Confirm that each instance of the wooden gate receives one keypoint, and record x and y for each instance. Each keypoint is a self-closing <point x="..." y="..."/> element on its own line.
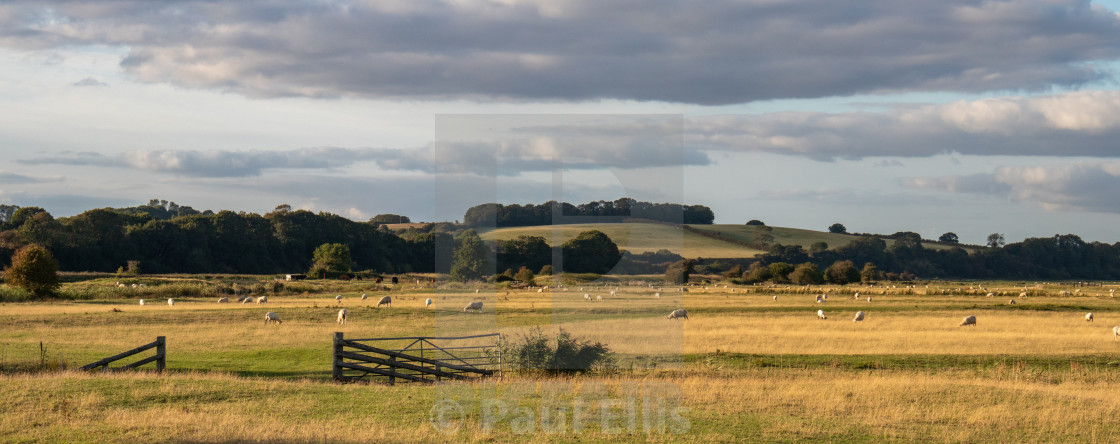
<point x="160" y="357"/>
<point x="417" y="359"/>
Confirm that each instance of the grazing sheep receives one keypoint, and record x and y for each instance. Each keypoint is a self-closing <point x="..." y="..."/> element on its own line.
<point x="968" y="320"/>
<point x="364" y="296"/>
<point x="657" y="295"/>
<point x="262" y="299"/>
<point x="338" y="298"/>
<point x="476" y="291"/>
<point x="856" y="296"/>
<point x="586" y="297"/>
<point x="141" y="302"/>
<point x="1089" y="317"/>
<point x="869" y="299"/>
<point x="1115" y="332"/>
<point x="342" y="316"/>
<point x="170" y="301"/>
<point x="272" y="317"/>
<point x="599" y="297"/>
<point x="246" y="300"/>
<point x="820" y="314"/>
<point x="223" y="300"/>
<point x="476" y="305"/>
<point x="990" y="295"/>
<point x="613" y="293"/>
<point x="819" y="300"/>
<point x="1012" y="302"/>
<point x="775" y="297"/>
<point x="1023" y="294"/>
<point x="859" y="316"/>
<point x="428" y="302"/>
<point x="678" y="313"/>
<point x="385" y="300"/>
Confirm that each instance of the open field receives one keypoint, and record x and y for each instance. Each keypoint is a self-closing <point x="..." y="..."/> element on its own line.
<point x="744" y="367"/>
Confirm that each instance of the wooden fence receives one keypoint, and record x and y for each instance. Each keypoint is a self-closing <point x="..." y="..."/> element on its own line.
<point x="160" y="357"/>
<point x="417" y="359"/>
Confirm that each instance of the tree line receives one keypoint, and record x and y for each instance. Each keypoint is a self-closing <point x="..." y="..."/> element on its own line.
<point x="498" y="215"/>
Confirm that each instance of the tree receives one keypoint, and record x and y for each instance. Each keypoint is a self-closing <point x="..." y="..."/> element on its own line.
<point x="34" y="269"/>
<point x="389" y="219"/>
<point x="546" y="270"/>
<point x="679" y="272"/>
<point x="755" y="222"/>
<point x="525" y="275"/>
<point x="837" y="228"/>
<point x="330" y="258"/>
<point x="806" y="274"/>
<point x="470" y="258"/>
<point x="779" y="272"/>
<point x="949" y="238"/>
<point x="842" y="272"/>
<point x="818" y="247"/>
<point x="757" y="272"/>
<point x="995" y="240"/>
<point x="870" y="273"/>
<point x="590" y="252"/>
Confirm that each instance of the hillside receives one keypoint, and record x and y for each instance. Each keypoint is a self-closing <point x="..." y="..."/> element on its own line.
<point x="635" y="237"/>
<point x="643" y="237"/>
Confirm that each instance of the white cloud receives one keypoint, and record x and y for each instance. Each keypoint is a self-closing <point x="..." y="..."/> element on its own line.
<point x="90" y="81"/>
<point x="1068" y="187"/>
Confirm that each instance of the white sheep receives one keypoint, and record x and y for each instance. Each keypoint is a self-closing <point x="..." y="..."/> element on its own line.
<point x="1023" y="294"/>
<point x="428" y="302"/>
<point x="364" y="296"/>
<point x="990" y="295"/>
<point x="657" y="295"/>
<point x="820" y="314"/>
<point x="170" y="301"/>
<point x="262" y="299"/>
<point x="678" y="313"/>
<point x="476" y="305"/>
<point x="1089" y="317"/>
<point x="819" y="300"/>
<point x="338" y="299"/>
<point x="968" y="320"/>
<point x="141" y="302"/>
<point x="272" y="317"/>
<point x="586" y="297"/>
<point x="599" y="297"/>
<point x="859" y="316"/>
<point x="1012" y="302"/>
<point x="342" y="316"/>
<point x="385" y="300"/>
<point x="1115" y="332"/>
<point x="223" y="300"/>
<point x="869" y="299"/>
<point x="775" y="297"/>
<point x="246" y="300"/>
<point x="856" y="296"/>
<point x="476" y="291"/>
<point x="613" y="293"/>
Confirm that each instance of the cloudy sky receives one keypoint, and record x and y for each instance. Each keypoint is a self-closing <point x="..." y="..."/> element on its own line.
<point x="885" y="115"/>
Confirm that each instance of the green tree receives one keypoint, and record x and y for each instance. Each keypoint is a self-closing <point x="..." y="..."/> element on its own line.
<point x="949" y="238"/>
<point x="389" y="219"/>
<point x="870" y="273"/>
<point x="995" y="240"/>
<point x="779" y="272"/>
<point x="546" y="270"/>
<point x="590" y="252"/>
<point x="679" y="272"/>
<point x="757" y="272"/>
<point x="837" y="228"/>
<point x="755" y="222"/>
<point x="330" y="258"/>
<point x="842" y="272"/>
<point x="34" y="269"/>
<point x="806" y="274"/>
<point x="818" y="247"/>
<point x="470" y="258"/>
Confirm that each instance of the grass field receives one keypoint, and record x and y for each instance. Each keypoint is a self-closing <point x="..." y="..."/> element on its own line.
<point x="744" y="367"/>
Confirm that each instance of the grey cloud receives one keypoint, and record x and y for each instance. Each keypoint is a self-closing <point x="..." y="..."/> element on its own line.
<point x="1070" y="124"/>
<point x="215" y="163"/>
<point x="705" y="52"/>
<point x="90" y="81"/>
<point x="7" y="178"/>
<point x="1069" y="187"/>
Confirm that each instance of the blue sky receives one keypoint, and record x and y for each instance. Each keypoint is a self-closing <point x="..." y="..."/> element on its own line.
<point x="966" y="116"/>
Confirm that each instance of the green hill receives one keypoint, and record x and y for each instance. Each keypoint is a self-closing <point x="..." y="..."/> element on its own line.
<point x="643" y="237"/>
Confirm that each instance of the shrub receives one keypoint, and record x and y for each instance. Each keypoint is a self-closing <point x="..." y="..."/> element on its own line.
<point x="546" y="270"/>
<point x="678" y="272"/>
<point x="535" y="353"/>
<point x="35" y="270"/>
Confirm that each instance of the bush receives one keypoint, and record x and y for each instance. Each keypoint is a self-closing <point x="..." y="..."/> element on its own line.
<point x="806" y="274"/>
<point x="35" y="270"/>
<point x="535" y="353"/>
<point x="546" y="270"/>
<point x="525" y="275"/>
<point x="678" y="272"/>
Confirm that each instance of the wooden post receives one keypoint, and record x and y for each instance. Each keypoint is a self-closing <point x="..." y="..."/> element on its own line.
<point x="337" y="372"/>
<point x="393" y="379"/>
<point x="161" y="352"/>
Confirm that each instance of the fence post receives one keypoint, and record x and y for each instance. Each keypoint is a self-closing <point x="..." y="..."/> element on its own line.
<point x="161" y="352"/>
<point x="337" y="370"/>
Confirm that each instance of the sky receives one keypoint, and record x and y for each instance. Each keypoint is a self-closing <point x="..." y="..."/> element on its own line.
<point x="884" y="115"/>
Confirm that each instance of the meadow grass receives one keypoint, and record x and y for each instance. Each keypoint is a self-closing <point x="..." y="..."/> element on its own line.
<point x="744" y="367"/>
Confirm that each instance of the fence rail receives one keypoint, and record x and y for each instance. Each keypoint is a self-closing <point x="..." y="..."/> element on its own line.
<point x="160" y="357"/>
<point x="417" y="359"/>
